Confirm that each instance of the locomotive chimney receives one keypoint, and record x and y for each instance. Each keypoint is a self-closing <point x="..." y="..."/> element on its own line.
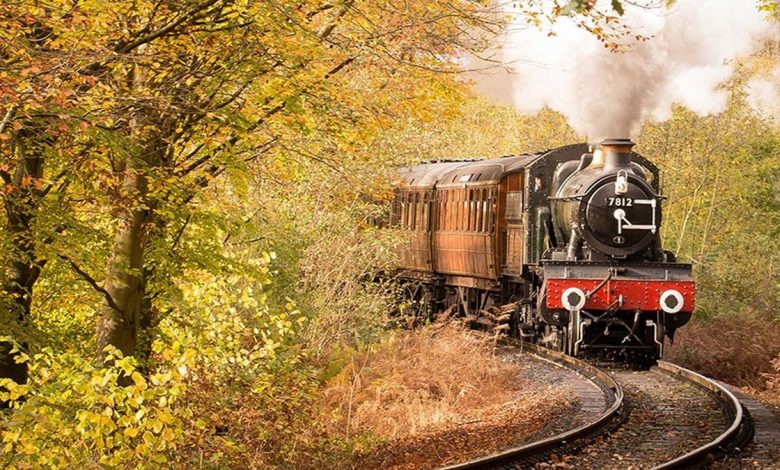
<point x="598" y="158"/>
<point x="617" y="153"/>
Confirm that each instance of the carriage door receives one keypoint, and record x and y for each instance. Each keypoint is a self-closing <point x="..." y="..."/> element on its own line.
<point x="511" y="225"/>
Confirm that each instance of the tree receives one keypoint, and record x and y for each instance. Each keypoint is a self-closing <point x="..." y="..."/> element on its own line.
<point x="151" y="101"/>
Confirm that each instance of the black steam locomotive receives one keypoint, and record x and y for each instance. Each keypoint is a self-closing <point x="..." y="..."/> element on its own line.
<point x="560" y="247"/>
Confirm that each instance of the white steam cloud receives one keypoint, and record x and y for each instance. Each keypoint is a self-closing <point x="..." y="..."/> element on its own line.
<point x="689" y="54"/>
<point x="764" y="94"/>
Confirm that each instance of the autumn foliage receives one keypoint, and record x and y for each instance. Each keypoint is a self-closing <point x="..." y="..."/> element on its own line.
<point x="184" y="234"/>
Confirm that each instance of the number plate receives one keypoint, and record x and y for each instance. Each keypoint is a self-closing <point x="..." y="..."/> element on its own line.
<point x="620" y="201"/>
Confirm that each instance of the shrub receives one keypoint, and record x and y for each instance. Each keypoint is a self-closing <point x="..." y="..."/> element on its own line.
<point x="738" y="349"/>
<point x="74" y="414"/>
<point x="413" y="382"/>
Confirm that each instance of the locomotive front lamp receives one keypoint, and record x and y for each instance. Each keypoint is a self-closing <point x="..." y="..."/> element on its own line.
<point x="621" y="183"/>
<point x="573" y="298"/>
<point x="671" y="301"/>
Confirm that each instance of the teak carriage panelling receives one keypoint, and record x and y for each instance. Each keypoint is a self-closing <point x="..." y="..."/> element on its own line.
<point x="416" y="254"/>
<point x="472" y="230"/>
<point x="511" y="235"/>
<point x="412" y="213"/>
<point x="466" y="253"/>
<point x="463" y="242"/>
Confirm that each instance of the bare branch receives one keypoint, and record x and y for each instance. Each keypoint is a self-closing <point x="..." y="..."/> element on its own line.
<point x="91" y="281"/>
<point x="328" y="29"/>
<point x="180" y="232"/>
<point x="8" y="116"/>
<point x="193" y="13"/>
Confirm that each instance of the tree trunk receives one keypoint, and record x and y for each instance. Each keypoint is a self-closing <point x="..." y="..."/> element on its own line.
<point x="22" y="266"/>
<point x="143" y="348"/>
<point x="119" y="321"/>
<point x="121" y="318"/>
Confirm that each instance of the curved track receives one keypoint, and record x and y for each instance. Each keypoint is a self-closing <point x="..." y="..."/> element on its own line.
<point x="539" y="450"/>
<point x="665" y="418"/>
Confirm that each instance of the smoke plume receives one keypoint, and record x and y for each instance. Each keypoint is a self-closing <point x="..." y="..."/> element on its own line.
<point x="689" y="54"/>
<point x="764" y="94"/>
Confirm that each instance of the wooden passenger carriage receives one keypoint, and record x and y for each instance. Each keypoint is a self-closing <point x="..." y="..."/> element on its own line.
<point x="477" y="228"/>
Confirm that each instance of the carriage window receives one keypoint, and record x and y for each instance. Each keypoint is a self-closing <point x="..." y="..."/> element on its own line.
<point x="404" y="210"/>
<point x="444" y="214"/>
<point x="458" y="210"/>
<point x="492" y="213"/>
<point x="472" y="210"/>
<point x="420" y="221"/>
<point x="408" y="212"/>
<point x="412" y="210"/>
<point x="463" y="209"/>
<point x="514" y="208"/>
<point x="478" y="211"/>
<point x="443" y="210"/>
<point x="426" y="216"/>
<point x="451" y="210"/>
<point x="483" y="212"/>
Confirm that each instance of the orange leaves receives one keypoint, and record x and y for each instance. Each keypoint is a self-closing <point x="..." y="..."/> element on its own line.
<point x="27" y="182"/>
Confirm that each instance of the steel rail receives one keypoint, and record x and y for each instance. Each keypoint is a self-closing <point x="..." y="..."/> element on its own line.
<point x="739" y="425"/>
<point x="733" y="408"/>
<point x="536" y="448"/>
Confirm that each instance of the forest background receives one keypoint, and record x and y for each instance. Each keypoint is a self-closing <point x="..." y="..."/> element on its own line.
<point x="187" y="191"/>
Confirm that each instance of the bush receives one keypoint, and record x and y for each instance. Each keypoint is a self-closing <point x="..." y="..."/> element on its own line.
<point x="413" y="382"/>
<point x="738" y="349"/>
<point x="74" y="414"/>
<point x="773" y="381"/>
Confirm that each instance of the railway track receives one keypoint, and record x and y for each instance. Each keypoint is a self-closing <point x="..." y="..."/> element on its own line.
<point x="665" y="418"/>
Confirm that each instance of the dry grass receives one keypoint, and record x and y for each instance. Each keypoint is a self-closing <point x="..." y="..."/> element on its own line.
<point x="739" y="350"/>
<point x="414" y="382"/>
<point x="772" y="392"/>
<point x="435" y="396"/>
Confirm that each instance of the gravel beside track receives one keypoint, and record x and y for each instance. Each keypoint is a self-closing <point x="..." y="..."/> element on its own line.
<point x="670" y="418"/>
<point x="598" y="409"/>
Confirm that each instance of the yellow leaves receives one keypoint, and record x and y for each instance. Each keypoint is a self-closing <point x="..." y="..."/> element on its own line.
<point x="139" y="380"/>
<point x="118" y="425"/>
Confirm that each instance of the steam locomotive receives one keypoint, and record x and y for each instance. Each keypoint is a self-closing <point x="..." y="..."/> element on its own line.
<point x="560" y="247"/>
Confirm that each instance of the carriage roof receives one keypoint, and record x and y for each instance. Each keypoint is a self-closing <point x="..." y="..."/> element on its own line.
<point x="449" y="174"/>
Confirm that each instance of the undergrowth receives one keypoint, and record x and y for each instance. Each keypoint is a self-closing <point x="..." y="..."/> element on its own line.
<point x="742" y="350"/>
<point x="435" y="396"/>
<point x="411" y="383"/>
